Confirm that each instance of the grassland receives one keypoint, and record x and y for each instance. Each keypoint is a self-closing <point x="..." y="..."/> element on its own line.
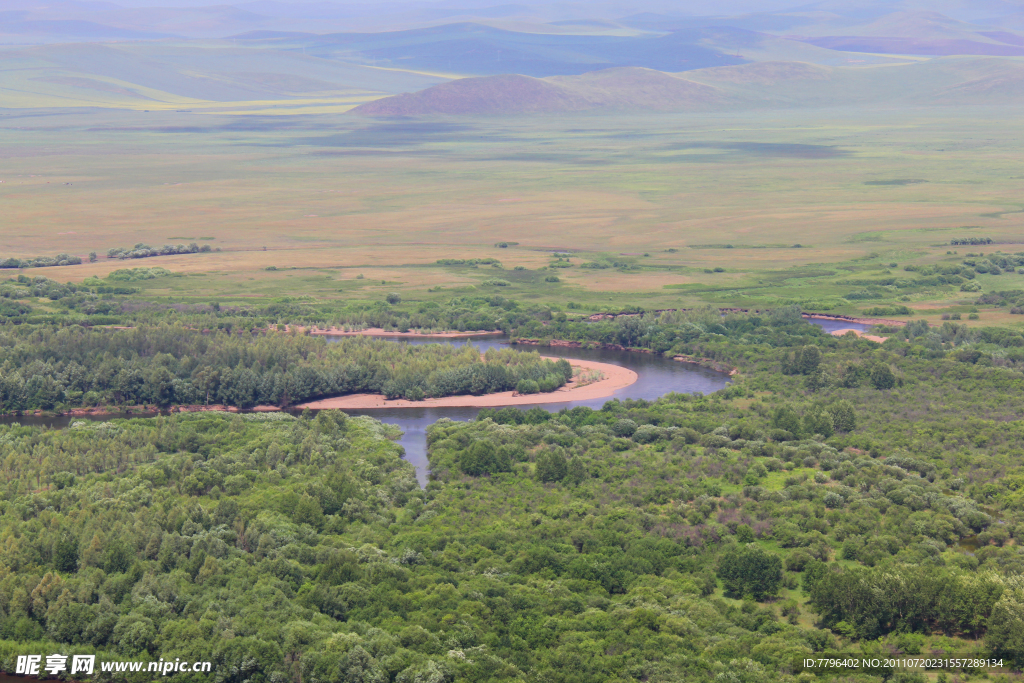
<point x="325" y="198"/>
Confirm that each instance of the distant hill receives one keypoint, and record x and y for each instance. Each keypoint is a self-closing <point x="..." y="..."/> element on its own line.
<point x="964" y="81"/>
<point x="150" y="75"/>
<point x="619" y="89"/>
<point x="477" y="49"/>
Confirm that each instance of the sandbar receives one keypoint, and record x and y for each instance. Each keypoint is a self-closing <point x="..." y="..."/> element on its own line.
<point x="615" y="377"/>
<point x="869" y="337"/>
<point x="380" y="332"/>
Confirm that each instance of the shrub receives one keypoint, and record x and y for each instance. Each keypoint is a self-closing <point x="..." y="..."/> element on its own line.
<point x="833" y="500"/>
<point x="393" y="298"/>
<point x="625" y="427"/>
<point x="527" y="386"/>
<point x="649" y="434"/>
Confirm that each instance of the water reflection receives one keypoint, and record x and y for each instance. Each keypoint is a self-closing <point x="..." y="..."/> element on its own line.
<point x="831" y="326"/>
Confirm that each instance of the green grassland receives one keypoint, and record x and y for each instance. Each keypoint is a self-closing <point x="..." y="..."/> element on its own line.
<point x="303" y="205"/>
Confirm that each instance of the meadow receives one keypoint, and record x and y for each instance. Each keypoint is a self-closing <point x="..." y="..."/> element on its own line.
<point x="748" y="210"/>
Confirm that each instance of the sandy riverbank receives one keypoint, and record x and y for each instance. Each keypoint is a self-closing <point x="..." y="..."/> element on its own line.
<point x="849" y="319"/>
<point x="380" y="332"/>
<point x="869" y="337"/>
<point x="614" y="378"/>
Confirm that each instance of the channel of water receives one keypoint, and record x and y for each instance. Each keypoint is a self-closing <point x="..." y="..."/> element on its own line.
<point x="657" y="376"/>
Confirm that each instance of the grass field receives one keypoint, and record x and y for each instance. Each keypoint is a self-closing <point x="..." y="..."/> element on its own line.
<point x="324" y="198"/>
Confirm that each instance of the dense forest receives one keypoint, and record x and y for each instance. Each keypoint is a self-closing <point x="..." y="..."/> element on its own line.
<point x="48" y="367"/>
<point x="689" y="537"/>
<point x="839" y="496"/>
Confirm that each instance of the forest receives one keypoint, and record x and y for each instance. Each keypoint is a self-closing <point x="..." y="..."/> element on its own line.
<point x="57" y="368"/>
<point x="839" y="496"/>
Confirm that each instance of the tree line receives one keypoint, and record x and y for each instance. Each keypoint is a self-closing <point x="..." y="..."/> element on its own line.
<point x="49" y="367"/>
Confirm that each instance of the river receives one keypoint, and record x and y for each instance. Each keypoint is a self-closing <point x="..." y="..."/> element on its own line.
<point x="657" y="377"/>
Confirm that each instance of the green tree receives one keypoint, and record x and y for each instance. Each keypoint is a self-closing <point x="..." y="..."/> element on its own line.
<point x="750" y="570"/>
<point x="882" y="376"/>
<point x="577" y="472"/>
<point x="818" y="422"/>
<point x="624" y="427"/>
<point x="65" y="554"/>
<point x="784" y="417"/>
<point x="527" y="386"/>
<point x="551" y="465"/>
<point x="1005" y="637"/>
<point x="308" y="511"/>
<point x="844" y="419"/>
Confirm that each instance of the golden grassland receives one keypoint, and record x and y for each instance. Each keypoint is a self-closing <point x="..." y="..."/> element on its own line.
<point x="325" y="198"/>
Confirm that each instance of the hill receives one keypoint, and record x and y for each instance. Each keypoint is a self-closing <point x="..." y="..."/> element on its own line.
<point x="474" y="49"/>
<point x="163" y="75"/>
<point x="956" y="81"/>
<point x="620" y="89"/>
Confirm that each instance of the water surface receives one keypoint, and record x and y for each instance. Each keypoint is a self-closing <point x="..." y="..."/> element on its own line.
<point x="657" y="376"/>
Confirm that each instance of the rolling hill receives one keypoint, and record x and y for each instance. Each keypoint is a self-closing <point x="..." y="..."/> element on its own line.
<point x="618" y="89"/>
<point x="479" y="50"/>
<point x="961" y="81"/>
<point x="166" y="75"/>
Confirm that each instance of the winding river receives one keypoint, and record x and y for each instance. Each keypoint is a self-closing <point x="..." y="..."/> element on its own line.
<point x="657" y="377"/>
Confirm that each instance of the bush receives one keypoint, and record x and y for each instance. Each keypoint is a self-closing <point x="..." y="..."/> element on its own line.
<point x="649" y="434"/>
<point x="549" y="383"/>
<point x="889" y="310"/>
<point x="527" y="386"/>
<point x="833" y="500"/>
<point x="625" y="427"/>
<point x="393" y="298"/>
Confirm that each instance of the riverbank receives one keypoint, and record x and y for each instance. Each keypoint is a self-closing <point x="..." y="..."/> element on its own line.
<point x="614" y="377"/>
<point x="850" y="319"/>
<point x="380" y="332"/>
<point x="869" y="337"/>
<point x="692" y="360"/>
